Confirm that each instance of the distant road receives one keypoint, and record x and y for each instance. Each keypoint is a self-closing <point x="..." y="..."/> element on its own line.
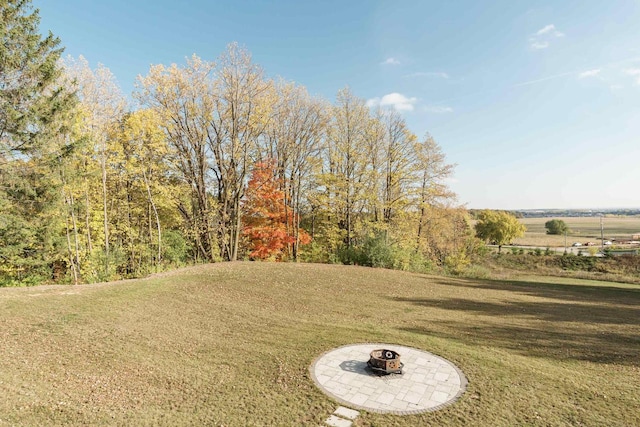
<point x="570" y="249"/>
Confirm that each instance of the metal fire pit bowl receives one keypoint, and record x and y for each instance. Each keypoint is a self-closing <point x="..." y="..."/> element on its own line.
<point x="385" y="361"/>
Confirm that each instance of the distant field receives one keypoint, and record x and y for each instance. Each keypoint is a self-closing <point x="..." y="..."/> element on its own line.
<point x="231" y="344"/>
<point x="582" y="230"/>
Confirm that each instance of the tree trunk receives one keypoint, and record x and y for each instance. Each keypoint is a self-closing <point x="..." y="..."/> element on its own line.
<point x="157" y="217"/>
<point x="74" y="223"/>
<point x="71" y="262"/>
<point x="236" y="231"/>
<point x="106" y="217"/>
<point x="87" y="215"/>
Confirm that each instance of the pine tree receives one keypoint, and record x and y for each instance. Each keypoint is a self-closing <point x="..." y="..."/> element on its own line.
<point x="29" y="96"/>
<point x="32" y="111"/>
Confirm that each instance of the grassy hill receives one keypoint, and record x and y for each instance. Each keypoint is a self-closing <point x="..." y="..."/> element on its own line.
<point x="230" y="344"/>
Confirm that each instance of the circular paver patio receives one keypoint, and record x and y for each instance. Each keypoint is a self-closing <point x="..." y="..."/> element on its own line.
<point x="428" y="382"/>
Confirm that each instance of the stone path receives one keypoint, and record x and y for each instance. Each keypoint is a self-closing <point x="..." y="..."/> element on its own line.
<point x="342" y="417"/>
<point x="428" y="382"/>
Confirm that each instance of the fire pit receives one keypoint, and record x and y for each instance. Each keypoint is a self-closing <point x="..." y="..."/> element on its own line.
<point x="385" y="362"/>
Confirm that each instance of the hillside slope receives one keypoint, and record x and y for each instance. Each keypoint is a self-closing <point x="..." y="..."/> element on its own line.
<point x="230" y="344"/>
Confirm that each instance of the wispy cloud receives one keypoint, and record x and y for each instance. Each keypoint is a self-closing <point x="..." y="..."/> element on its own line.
<point x="549" y="29"/>
<point x="539" y="45"/>
<point x="635" y="72"/>
<point x="390" y="61"/>
<point x="439" y="74"/>
<point x="393" y="100"/>
<point x="589" y="73"/>
<point x="542" y="38"/>
<point x="437" y="109"/>
<point x="543" y="79"/>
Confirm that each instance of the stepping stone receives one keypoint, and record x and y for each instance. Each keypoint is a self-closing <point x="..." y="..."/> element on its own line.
<point x="334" y="421"/>
<point x="346" y="413"/>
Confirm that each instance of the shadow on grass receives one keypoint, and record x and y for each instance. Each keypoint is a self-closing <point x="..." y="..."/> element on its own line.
<point x="585" y="293"/>
<point x="597" y="324"/>
<point x="553" y="344"/>
<point x="541" y="310"/>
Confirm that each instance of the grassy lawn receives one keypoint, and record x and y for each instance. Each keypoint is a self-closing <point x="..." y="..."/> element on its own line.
<point x="582" y="230"/>
<point x="231" y="344"/>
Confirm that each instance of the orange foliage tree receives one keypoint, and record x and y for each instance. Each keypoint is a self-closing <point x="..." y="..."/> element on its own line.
<point x="268" y="221"/>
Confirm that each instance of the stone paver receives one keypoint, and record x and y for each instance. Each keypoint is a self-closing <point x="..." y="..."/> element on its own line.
<point x="334" y="421"/>
<point x="346" y="413"/>
<point x="428" y="382"/>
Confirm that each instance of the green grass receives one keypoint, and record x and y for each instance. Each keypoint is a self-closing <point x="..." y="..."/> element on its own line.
<point x="231" y="344"/>
<point x="583" y="229"/>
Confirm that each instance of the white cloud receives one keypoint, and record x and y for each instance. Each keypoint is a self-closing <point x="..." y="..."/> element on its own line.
<point x="546" y="29"/>
<point x="589" y="73"/>
<point x="539" y="45"/>
<point x="550" y="30"/>
<point x="390" y="61"/>
<point x="373" y="102"/>
<point x="635" y="72"/>
<point x="429" y="74"/>
<point x="542" y="38"/>
<point x="438" y="109"/>
<point x="394" y="100"/>
<point x="616" y="87"/>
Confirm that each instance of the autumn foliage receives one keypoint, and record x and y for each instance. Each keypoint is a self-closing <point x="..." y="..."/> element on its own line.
<point x="268" y="222"/>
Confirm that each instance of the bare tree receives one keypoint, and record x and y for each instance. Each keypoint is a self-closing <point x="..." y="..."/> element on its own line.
<point x="102" y="104"/>
<point x="398" y="159"/>
<point x="430" y="171"/>
<point x="346" y="156"/>
<point x="184" y="99"/>
<point x="240" y="114"/>
<point x="214" y="116"/>
<point x="293" y="139"/>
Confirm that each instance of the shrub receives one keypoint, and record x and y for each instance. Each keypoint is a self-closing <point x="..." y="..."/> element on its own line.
<point x="477" y="272"/>
<point x="175" y="249"/>
<point x="315" y="252"/>
<point x="456" y="263"/>
<point x="376" y="252"/>
<point x="573" y="262"/>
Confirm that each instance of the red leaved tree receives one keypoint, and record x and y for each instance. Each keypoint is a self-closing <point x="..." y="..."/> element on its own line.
<point x="267" y="220"/>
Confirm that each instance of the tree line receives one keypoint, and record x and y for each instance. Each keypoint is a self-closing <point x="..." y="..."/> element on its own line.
<point x="214" y="162"/>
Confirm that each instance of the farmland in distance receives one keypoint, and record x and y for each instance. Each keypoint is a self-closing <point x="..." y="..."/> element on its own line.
<point x="583" y="229"/>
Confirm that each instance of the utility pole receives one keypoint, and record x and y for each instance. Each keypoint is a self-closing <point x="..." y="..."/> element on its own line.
<point x="601" y="234"/>
<point x="565" y="240"/>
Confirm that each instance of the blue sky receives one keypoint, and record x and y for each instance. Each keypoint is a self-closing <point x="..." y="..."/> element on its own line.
<point x="537" y="102"/>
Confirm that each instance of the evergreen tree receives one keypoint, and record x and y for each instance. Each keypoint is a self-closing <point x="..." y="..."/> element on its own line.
<point x="29" y="95"/>
<point x="32" y="109"/>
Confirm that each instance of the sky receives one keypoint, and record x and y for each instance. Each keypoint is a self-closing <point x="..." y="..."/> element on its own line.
<point x="536" y="102"/>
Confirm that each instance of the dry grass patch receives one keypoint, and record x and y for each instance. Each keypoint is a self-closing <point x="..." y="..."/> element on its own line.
<point x="230" y="344"/>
